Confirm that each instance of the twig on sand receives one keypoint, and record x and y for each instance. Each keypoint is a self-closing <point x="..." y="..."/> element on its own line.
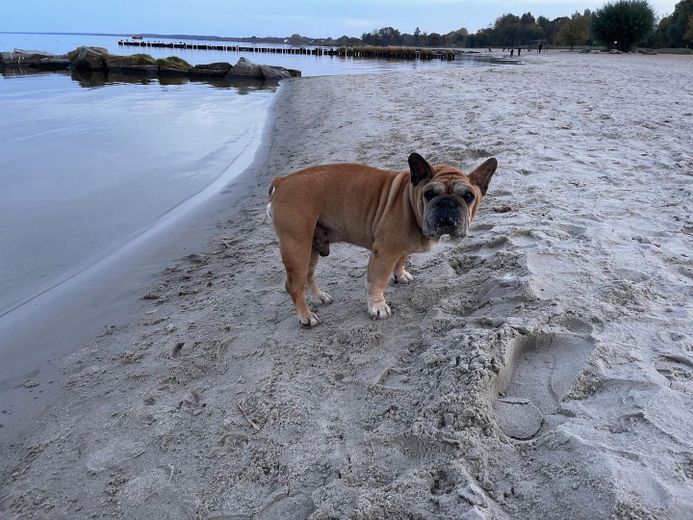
<point x="250" y="421"/>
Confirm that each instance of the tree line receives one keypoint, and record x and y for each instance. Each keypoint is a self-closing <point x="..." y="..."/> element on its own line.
<point x="623" y="24"/>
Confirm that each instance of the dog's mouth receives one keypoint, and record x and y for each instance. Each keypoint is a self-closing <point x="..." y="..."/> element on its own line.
<point x="446" y="221"/>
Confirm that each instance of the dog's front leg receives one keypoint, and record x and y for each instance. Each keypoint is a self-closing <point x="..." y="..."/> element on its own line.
<point x="380" y="267"/>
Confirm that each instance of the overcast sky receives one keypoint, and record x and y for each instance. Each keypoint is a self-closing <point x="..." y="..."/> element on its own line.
<point x="314" y="18"/>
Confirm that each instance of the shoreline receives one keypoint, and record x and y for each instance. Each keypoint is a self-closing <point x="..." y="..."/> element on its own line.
<point x="105" y="295"/>
<point x="534" y="368"/>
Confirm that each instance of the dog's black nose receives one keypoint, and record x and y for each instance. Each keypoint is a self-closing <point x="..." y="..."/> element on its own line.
<point x="447" y="203"/>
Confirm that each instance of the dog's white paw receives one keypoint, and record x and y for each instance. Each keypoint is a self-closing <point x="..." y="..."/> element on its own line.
<point x="379" y="311"/>
<point x="309" y="321"/>
<point x="322" y="297"/>
<point x="404" y="278"/>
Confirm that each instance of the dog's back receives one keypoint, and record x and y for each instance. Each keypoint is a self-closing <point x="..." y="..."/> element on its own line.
<point x="335" y="196"/>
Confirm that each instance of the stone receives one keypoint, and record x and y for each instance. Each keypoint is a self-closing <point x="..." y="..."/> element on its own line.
<point x="210" y="70"/>
<point x="136" y="64"/>
<point x="273" y="73"/>
<point x="245" y="69"/>
<point x="21" y="58"/>
<point x="88" y="58"/>
<point x="53" y="63"/>
<point x="173" y="66"/>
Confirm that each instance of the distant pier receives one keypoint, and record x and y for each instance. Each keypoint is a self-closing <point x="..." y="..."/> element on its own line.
<point x="401" y="53"/>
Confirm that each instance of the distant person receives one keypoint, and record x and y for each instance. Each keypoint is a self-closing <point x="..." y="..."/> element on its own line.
<point x="541" y="45"/>
<point x="519" y="50"/>
<point x="512" y="52"/>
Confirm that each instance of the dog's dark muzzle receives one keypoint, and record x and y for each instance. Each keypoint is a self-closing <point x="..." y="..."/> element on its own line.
<point x="446" y="217"/>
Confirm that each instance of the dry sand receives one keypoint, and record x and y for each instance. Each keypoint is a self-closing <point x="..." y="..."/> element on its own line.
<point x="542" y="367"/>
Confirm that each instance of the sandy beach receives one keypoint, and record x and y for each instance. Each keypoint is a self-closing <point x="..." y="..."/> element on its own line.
<point x="541" y="367"/>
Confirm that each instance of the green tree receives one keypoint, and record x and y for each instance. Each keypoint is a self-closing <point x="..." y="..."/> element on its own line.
<point x="575" y="31"/>
<point x="506" y="30"/>
<point x="435" y="39"/>
<point x="625" y="22"/>
<point x="553" y="28"/>
<point x="417" y="36"/>
<point x="456" y="38"/>
<point x="676" y="25"/>
<point x="689" y="33"/>
<point x="297" y="39"/>
<point x="527" y="19"/>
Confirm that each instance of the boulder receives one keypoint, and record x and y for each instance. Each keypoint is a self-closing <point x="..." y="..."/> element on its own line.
<point x="210" y="70"/>
<point x="88" y="58"/>
<point x="273" y="73"/>
<point x="53" y="63"/>
<point x="20" y="58"/>
<point x="139" y="64"/>
<point x="173" y="66"/>
<point x="245" y="69"/>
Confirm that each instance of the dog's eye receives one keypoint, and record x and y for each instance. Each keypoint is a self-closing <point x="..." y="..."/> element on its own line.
<point x="468" y="197"/>
<point x="429" y="194"/>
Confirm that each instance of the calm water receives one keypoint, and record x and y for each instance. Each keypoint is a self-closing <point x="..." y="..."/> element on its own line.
<point x="85" y="170"/>
<point x="308" y="65"/>
<point x="87" y="166"/>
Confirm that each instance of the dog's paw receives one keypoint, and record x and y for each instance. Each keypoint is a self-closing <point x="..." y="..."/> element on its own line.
<point x="322" y="297"/>
<point x="379" y="311"/>
<point x="404" y="278"/>
<point x="309" y="321"/>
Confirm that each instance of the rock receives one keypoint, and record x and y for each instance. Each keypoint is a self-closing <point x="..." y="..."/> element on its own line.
<point x="88" y="58"/>
<point x="140" y="64"/>
<point x="20" y="58"/>
<point x="274" y="73"/>
<point x="173" y="66"/>
<point x="211" y="70"/>
<point x="53" y="63"/>
<point x="245" y="69"/>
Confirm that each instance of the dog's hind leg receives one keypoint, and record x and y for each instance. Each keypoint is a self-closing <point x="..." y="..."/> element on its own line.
<point x="316" y="293"/>
<point x="321" y="247"/>
<point x="296" y="258"/>
<point x="401" y="275"/>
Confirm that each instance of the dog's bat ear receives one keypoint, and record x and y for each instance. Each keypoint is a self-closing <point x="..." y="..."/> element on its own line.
<point x="419" y="168"/>
<point x="482" y="175"/>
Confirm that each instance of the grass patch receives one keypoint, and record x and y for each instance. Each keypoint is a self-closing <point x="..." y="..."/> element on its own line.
<point x="173" y="62"/>
<point x="134" y="59"/>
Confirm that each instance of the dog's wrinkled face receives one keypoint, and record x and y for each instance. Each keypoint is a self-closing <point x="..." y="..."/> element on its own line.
<point x="447" y="198"/>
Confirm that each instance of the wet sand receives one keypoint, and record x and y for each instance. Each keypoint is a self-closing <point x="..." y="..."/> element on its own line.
<point x="541" y="367"/>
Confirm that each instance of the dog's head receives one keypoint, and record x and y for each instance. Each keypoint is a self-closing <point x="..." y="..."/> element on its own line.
<point x="446" y="198"/>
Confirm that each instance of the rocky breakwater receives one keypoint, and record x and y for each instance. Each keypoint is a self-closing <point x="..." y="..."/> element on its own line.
<point x="98" y="59"/>
<point x="21" y="59"/>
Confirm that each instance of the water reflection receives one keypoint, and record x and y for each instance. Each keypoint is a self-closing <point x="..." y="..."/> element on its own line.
<point x="99" y="79"/>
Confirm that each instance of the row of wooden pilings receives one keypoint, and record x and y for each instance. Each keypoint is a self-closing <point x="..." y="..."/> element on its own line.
<point x="401" y="53"/>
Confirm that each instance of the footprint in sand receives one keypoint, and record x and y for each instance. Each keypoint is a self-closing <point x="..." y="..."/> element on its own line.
<point x="540" y="369"/>
<point x="678" y="369"/>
